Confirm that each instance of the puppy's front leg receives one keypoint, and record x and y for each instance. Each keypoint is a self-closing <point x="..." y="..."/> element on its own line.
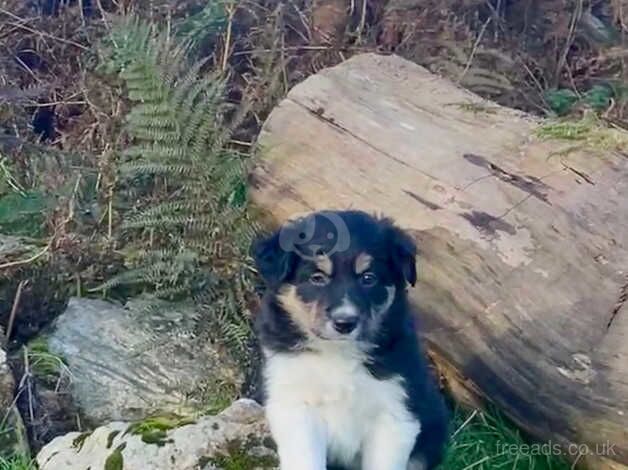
<point x="389" y="443"/>
<point x="300" y="437"/>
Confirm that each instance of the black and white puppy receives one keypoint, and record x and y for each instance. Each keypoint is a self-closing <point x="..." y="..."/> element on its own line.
<point x="346" y="383"/>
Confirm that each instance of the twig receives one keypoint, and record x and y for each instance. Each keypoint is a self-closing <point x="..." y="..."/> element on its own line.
<point x="607" y="113"/>
<point x="575" y="18"/>
<point x="104" y="19"/>
<point x="26" y="67"/>
<point x="362" y="21"/>
<point x="464" y="425"/>
<point x="55" y="103"/>
<point x="241" y="142"/>
<point x="27" y="375"/>
<point x="72" y="200"/>
<point x="284" y="72"/>
<point x="475" y="48"/>
<point x="81" y="7"/>
<point x="475" y="464"/>
<point x="303" y="18"/>
<point x="110" y="214"/>
<point x="575" y="463"/>
<point x="225" y="56"/>
<point x="537" y="83"/>
<point x="495" y="12"/>
<point x="16" y="303"/>
<point x="26" y="261"/>
<point x="42" y="33"/>
<point x="572" y="81"/>
<point x="286" y="49"/>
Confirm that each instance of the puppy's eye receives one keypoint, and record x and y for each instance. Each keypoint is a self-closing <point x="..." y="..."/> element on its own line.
<point x="368" y="279"/>
<point x="319" y="279"/>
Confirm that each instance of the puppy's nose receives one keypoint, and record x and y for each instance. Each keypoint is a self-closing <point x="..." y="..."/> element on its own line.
<point x="345" y="325"/>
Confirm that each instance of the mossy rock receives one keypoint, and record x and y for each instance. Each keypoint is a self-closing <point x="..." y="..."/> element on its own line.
<point x="237" y="438"/>
<point x="243" y="455"/>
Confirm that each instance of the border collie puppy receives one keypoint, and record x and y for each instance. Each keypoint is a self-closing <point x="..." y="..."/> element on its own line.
<point x="346" y="383"/>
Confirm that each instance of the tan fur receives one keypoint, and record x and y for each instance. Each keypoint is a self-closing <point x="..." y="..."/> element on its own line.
<point x="363" y="262"/>
<point x="325" y="264"/>
<point x="303" y="314"/>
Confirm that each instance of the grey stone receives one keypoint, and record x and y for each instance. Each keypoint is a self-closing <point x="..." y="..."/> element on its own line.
<point x="127" y="363"/>
<point x="203" y="445"/>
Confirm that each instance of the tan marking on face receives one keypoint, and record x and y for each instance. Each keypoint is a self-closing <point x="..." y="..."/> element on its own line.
<point x="305" y="315"/>
<point x="363" y="262"/>
<point x="324" y="264"/>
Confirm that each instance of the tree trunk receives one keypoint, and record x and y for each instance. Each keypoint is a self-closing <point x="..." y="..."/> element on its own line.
<point x="523" y="244"/>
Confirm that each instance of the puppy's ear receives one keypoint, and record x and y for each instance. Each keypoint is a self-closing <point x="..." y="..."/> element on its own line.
<point x="272" y="261"/>
<point x="403" y="254"/>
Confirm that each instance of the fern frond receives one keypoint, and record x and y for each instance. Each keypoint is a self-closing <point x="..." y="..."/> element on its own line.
<point x="163" y="136"/>
<point x="128" y="278"/>
<point x="168" y="222"/>
<point x="152" y="154"/>
<point x="134" y="169"/>
<point x="190" y="237"/>
<point x="169" y="208"/>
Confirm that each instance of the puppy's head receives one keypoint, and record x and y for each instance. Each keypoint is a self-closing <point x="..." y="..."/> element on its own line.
<point x="337" y="274"/>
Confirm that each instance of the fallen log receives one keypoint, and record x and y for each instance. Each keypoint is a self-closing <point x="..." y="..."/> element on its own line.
<point x="523" y="243"/>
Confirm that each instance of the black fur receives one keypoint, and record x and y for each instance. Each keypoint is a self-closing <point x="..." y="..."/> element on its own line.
<point x="282" y="259"/>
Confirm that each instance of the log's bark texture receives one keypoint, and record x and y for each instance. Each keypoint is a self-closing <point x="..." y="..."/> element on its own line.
<point x="524" y="247"/>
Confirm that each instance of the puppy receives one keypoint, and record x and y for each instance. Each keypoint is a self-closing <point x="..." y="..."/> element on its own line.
<point x="345" y="381"/>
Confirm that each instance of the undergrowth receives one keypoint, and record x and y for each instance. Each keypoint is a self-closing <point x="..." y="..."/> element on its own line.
<point x="20" y="209"/>
<point x="587" y="133"/>
<point x="487" y="441"/>
<point x="239" y="457"/>
<point x="187" y="231"/>
<point x="45" y="365"/>
<point x="18" y="462"/>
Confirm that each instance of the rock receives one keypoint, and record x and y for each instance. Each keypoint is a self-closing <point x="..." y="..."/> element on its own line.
<point x="239" y="435"/>
<point x="127" y="363"/>
<point x="7" y="383"/>
<point x="13" y="438"/>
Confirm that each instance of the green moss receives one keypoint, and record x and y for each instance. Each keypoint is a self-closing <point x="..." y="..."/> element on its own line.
<point x="79" y="440"/>
<point x="239" y="458"/>
<point x="153" y="430"/>
<point x="112" y="435"/>
<point x="587" y="133"/>
<point x="115" y="461"/>
<point x="215" y="395"/>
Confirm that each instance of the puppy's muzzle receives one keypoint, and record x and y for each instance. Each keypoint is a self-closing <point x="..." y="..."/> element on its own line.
<point x="345" y="326"/>
<point x="344" y="318"/>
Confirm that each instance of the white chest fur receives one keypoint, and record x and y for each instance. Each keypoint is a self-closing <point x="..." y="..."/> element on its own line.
<point x="336" y="409"/>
